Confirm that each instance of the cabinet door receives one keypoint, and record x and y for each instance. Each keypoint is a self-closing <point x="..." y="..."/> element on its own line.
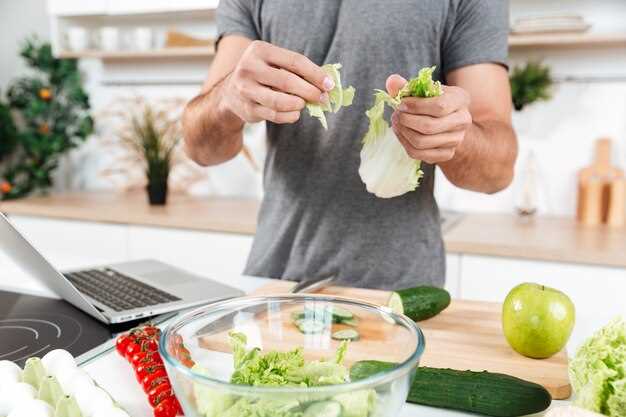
<point x="453" y="274"/>
<point x="214" y="255"/>
<point x="158" y="6"/>
<point x="597" y="292"/>
<point x="77" y="7"/>
<point x="71" y="244"/>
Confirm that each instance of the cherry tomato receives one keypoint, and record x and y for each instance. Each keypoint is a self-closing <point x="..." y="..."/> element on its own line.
<point x="146" y="369"/>
<point x="148" y="381"/>
<point x="156" y="382"/>
<point x="159" y="393"/>
<point x="145" y="357"/>
<point x="179" y="409"/>
<point x="166" y="408"/>
<point x="152" y="331"/>
<point x="122" y="343"/>
<point x="149" y="345"/>
<point x="132" y="348"/>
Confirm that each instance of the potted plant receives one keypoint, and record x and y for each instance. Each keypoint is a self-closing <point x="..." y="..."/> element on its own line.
<point x="153" y="136"/>
<point x="530" y="83"/>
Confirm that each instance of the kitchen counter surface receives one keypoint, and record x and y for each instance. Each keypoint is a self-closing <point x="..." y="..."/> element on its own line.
<point x="112" y="373"/>
<point x="541" y="238"/>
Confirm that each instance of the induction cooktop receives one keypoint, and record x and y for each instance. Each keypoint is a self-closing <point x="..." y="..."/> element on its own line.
<point x="32" y="326"/>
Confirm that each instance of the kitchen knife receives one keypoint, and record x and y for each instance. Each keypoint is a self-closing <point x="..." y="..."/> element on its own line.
<point x="304" y="287"/>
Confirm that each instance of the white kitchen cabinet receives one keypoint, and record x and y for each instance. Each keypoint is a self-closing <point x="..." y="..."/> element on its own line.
<point x="597" y="292"/>
<point x="70" y="243"/>
<point x="77" y="7"/>
<point x="453" y="274"/>
<point x="214" y="255"/>
<point x="158" y="6"/>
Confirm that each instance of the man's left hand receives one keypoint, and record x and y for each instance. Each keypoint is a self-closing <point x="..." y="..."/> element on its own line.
<point x="431" y="129"/>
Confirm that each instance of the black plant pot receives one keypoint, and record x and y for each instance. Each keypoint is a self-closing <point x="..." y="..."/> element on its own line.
<point x="157" y="193"/>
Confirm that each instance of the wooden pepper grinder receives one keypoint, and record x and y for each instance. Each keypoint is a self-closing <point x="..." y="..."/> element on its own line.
<point x="601" y="190"/>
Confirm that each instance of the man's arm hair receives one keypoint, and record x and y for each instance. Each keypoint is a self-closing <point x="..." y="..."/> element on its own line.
<point x="213" y="135"/>
<point x="485" y="160"/>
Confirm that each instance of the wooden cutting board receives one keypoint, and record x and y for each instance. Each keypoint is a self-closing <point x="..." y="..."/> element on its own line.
<point x="465" y="336"/>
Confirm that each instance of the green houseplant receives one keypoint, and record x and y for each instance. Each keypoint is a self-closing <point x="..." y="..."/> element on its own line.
<point x="530" y="83"/>
<point x="47" y="114"/>
<point x="153" y="136"/>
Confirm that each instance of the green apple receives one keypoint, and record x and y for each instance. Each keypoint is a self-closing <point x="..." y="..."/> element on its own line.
<point x="537" y="320"/>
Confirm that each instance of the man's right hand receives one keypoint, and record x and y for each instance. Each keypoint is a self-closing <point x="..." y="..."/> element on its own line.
<point x="274" y="84"/>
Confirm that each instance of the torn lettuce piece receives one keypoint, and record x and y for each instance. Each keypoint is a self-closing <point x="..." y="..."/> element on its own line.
<point x="338" y="97"/>
<point x="598" y="371"/>
<point x="284" y="368"/>
<point x="386" y="169"/>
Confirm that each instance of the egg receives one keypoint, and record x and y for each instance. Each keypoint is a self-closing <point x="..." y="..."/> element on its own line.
<point x="111" y="411"/>
<point x="72" y="379"/>
<point x="10" y="374"/>
<point x="15" y="395"/>
<point x="90" y="399"/>
<point x="58" y="362"/>
<point x="32" y="408"/>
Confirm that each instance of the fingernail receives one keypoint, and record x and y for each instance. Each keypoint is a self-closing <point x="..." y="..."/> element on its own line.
<point x="402" y="107"/>
<point x="329" y="84"/>
<point x="324" y="98"/>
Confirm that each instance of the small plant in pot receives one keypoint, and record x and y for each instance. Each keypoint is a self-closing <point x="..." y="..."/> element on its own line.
<point x="153" y="136"/>
<point x="530" y="83"/>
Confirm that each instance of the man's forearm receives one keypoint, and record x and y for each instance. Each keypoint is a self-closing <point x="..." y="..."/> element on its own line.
<point x="212" y="134"/>
<point x="485" y="159"/>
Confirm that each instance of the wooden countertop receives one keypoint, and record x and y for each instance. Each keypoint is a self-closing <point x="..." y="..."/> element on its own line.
<point x="230" y="215"/>
<point x="542" y="238"/>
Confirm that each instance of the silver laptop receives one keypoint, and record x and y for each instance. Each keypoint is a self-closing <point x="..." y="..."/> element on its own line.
<point x="115" y="293"/>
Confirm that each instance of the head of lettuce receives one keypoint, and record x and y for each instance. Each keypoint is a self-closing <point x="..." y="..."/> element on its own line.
<point x="598" y="371"/>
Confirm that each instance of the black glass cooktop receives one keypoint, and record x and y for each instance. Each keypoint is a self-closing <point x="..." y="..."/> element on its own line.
<point x="32" y="326"/>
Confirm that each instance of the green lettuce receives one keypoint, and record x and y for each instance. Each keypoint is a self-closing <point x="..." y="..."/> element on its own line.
<point x="386" y="169"/>
<point x="284" y="368"/>
<point x="338" y="97"/>
<point x="598" y="371"/>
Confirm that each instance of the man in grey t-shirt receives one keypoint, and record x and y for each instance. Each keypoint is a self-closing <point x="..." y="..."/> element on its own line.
<point x="317" y="217"/>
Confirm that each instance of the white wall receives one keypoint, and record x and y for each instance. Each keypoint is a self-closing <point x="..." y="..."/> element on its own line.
<point x="562" y="131"/>
<point x="19" y="19"/>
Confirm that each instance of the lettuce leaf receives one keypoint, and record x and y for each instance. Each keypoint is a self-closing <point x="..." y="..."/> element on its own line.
<point x="338" y="97"/>
<point x="598" y="371"/>
<point x="386" y="169"/>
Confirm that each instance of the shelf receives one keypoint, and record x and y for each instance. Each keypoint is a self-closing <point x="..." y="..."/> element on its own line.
<point x="559" y="40"/>
<point x="189" y="52"/>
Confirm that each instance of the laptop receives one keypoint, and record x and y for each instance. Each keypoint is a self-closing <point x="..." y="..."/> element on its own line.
<point x="115" y="293"/>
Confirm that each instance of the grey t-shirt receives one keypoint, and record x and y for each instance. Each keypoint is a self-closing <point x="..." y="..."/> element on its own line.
<point x="317" y="217"/>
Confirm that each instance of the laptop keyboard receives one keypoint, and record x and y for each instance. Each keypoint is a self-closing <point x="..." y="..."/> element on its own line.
<point x="117" y="291"/>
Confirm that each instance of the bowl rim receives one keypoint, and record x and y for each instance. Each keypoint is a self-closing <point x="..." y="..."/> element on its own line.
<point x="383" y="377"/>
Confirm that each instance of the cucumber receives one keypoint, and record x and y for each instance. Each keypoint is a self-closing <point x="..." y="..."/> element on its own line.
<point x="419" y="303"/>
<point x="346" y="334"/>
<point x="485" y="393"/>
<point x="308" y="326"/>
<point x="323" y="409"/>
<point x="351" y="322"/>
<point x="341" y="314"/>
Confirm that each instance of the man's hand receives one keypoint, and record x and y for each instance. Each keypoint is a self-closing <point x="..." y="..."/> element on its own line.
<point x="272" y="83"/>
<point x="431" y="129"/>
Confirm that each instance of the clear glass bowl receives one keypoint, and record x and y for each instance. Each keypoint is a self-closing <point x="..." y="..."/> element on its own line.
<point x="269" y="323"/>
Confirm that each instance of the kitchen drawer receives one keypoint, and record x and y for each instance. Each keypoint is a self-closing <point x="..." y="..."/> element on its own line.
<point x="214" y="255"/>
<point x="70" y="244"/>
<point x="597" y="292"/>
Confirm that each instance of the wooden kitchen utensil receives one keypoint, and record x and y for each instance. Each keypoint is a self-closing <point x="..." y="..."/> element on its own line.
<point x="465" y="336"/>
<point x="174" y="39"/>
<point x="594" y="186"/>
<point x="616" y="216"/>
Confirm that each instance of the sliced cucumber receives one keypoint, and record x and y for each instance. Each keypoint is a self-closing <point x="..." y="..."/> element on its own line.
<point x="341" y="314"/>
<point x="351" y="322"/>
<point x="297" y="315"/>
<point x="323" y="409"/>
<point x="395" y="303"/>
<point x="346" y="334"/>
<point x="307" y="326"/>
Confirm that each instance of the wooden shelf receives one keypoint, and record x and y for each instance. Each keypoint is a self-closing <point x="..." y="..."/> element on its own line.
<point x="560" y="40"/>
<point x="189" y="52"/>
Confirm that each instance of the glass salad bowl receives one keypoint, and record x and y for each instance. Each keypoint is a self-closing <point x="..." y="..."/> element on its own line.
<point x="291" y="356"/>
